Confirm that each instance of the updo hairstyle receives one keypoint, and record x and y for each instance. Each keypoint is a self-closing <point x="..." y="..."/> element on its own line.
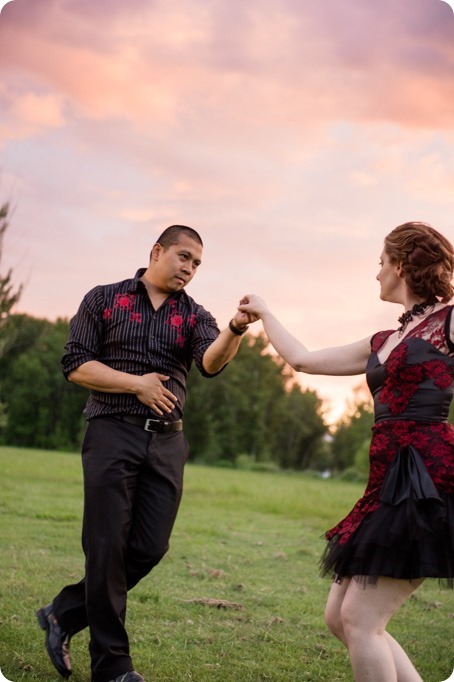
<point x="427" y="260"/>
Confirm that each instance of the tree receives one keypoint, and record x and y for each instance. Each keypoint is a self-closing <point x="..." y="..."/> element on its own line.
<point x="253" y="408"/>
<point x="9" y="296"/>
<point x="353" y="431"/>
<point x="299" y="436"/>
<point x="230" y="414"/>
<point x="42" y="409"/>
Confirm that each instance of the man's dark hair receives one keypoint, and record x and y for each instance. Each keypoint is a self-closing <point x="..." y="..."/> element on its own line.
<point x="171" y="235"/>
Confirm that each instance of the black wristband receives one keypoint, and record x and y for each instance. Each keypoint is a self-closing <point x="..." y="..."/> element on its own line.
<point x="235" y="330"/>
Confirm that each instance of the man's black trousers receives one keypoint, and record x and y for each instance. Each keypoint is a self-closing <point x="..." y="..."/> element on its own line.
<point x="133" y="481"/>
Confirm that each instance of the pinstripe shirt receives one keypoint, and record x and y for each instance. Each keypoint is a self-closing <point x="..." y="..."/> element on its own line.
<point x="116" y="324"/>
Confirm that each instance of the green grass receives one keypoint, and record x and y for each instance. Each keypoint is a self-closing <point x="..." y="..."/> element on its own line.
<point x="252" y="539"/>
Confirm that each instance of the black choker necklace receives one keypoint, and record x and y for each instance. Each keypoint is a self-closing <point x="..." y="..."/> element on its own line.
<point x="417" y="310"/>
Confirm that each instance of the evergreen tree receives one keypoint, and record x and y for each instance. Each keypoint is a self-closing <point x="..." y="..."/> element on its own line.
<point x="9" y="295"/>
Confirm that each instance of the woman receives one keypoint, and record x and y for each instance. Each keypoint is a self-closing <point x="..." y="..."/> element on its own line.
<point x="402" y="529"/>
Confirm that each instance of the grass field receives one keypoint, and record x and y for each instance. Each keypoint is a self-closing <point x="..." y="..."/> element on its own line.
<point x="247" y="541"/>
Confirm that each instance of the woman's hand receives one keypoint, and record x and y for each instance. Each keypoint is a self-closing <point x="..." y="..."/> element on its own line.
<point x="254" y="306"/>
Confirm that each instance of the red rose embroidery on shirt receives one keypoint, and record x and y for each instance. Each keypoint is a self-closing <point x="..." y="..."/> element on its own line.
<point x="125" y="301"/>
<point x="177" y="322"/>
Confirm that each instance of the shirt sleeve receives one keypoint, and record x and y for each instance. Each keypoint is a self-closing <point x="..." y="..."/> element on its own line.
<point x="206" y="331"/>
<point x="85" y="333"/>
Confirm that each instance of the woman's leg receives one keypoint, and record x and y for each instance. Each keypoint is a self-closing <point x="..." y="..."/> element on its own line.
<point x="358" y="617"/>
<point x="334" y="607"/>
<point x="404" y="667"/>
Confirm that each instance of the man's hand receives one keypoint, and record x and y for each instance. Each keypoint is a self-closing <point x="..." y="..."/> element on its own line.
<point x="152" y="392"/>
<point x="243" y="317"/>
<point x="148" y="388"/>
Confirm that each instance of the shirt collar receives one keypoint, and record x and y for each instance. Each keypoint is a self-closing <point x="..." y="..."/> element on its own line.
<point x="136" y="284"/>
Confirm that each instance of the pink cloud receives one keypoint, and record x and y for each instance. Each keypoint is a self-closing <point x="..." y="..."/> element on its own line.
<point x="30" y="114"/>
<point x="176" y="63"/>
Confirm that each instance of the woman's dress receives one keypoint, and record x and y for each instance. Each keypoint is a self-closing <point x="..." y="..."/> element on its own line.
<point x="403" y="526"/>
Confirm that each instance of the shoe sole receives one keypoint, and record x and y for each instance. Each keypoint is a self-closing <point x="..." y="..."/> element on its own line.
<point x="44" y="625"/>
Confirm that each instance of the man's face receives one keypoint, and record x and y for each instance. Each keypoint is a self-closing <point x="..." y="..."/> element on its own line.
<point x="174" y="267"/>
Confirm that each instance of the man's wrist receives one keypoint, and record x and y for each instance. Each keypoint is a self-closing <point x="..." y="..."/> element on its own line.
<point x="238" y="331"/>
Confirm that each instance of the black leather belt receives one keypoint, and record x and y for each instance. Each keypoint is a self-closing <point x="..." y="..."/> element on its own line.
<point x="158" y="425"/>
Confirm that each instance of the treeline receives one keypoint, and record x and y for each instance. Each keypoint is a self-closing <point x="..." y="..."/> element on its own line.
<point x="38" y="407"/>
<point x="254" y="409"/>
<point x="253" y="414"/>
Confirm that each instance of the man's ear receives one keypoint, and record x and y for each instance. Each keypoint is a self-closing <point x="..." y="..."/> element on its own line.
<point x="155" y="252"/>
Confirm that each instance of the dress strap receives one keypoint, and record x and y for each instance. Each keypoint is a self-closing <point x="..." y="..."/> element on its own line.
<point x="379" y="339"/>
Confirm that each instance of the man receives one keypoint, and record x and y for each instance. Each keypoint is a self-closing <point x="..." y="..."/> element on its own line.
<point x="132" y="344"/>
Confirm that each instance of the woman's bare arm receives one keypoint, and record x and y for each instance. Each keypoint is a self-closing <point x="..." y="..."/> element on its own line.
<point x="343" y="360"/>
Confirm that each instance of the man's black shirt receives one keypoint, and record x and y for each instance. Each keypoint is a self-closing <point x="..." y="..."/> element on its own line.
<point x="117" y="325"/>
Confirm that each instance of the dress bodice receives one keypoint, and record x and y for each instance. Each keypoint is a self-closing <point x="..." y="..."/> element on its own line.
<point x="416" y="382"/>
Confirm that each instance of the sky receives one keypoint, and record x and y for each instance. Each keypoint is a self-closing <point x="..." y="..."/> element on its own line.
<point x="292" y="134"/>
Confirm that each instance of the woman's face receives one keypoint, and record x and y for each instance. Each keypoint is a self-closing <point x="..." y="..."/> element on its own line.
<point x="390" y="279"/>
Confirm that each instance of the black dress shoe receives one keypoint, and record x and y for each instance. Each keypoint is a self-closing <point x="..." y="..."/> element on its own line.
<point x="129" y="677"/>
<point x="57" y="640"/>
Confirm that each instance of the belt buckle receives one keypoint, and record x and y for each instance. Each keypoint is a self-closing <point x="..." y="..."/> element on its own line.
<point x="149" y="425"/>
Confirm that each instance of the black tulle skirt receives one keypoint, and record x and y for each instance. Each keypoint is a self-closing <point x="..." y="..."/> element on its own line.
<point x="409" y="536"/>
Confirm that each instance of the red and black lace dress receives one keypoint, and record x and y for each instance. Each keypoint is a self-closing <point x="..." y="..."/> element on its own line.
<point x="403" y="526"/>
